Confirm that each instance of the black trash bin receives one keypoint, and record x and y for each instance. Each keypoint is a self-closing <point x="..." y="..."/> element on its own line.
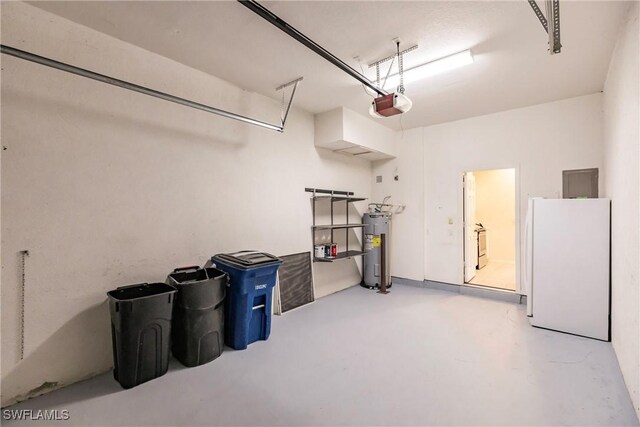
<point x="140" y="330"/>
<point x="198" y="314"/>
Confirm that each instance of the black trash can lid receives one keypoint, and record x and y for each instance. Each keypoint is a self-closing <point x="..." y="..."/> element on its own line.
<point x="248" y="259"/>
<point x="140" y="291"/>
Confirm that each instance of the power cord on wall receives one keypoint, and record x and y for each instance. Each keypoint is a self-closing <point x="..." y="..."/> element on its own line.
<point x="24" y="254"/>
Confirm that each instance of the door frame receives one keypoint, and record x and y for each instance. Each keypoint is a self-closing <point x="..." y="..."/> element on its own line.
<point x="518" y="225"/>
<point x="465" y="238"/>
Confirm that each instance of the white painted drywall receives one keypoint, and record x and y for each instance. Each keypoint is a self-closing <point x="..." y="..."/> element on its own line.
<point x="343" y="128"/>
<point x="496" y="210"/>
<point x="538" y="141"/>
<point x="329" y="130"/>
<point x="107" y="187"/>
<point x="367" y="133"/>
<point x="622" y="161"/>
<point x="407" y="228"/>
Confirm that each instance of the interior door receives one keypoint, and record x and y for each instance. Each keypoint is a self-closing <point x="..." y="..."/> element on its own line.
<point x="470" y="242"/>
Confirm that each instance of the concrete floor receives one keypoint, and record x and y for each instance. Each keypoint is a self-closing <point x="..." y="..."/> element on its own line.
<point x="414" y="357"/>
<point x="496" y="274"/>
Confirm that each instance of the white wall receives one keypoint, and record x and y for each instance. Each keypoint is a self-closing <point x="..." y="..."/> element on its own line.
<point x="539" y="141"/>
<point x="107" y="187"/>
<point x="344" y="130"/>
<point x="367" y="133"/>
<point x="622" y="160"/>
<point x="496" y="210"/>
<point x="407" y="248"/>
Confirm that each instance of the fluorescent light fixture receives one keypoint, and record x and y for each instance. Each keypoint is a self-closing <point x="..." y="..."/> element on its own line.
<point x="431" y="68"/>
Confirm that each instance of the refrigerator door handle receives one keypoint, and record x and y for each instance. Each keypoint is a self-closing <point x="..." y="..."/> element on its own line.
<point x="528" y="257"/>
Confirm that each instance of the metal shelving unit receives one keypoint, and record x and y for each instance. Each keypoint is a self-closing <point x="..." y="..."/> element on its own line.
<point x="335" y="196"/>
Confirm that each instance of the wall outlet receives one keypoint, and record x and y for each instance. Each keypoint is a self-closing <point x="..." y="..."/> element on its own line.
<point x="379" y="179"/>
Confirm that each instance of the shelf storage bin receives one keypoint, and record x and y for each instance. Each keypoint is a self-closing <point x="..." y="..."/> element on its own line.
<point x="198" y="314"/>
<point x="140" y="330"/>
<point x="252" y="276"/>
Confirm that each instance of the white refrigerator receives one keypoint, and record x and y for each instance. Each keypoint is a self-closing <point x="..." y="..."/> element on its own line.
<point x="567" y="249"/>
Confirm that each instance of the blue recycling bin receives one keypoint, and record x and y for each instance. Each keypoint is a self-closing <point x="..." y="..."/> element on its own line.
<point x="252" y="276"/>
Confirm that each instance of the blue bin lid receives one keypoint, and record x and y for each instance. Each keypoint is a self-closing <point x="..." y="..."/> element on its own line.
<point x="248" y="259"/>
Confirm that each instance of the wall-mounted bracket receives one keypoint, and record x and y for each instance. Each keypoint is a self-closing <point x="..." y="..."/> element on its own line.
<point x="285" y="111"/>
<point x="48" y="62"/>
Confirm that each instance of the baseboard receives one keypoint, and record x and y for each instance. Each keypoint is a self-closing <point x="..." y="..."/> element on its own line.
<point x="471" y="290"/>
<point x="442" y="286"/>
<point x="408" y="282"/>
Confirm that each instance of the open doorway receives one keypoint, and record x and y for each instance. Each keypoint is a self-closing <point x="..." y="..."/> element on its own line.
<point x="490" y="228"/>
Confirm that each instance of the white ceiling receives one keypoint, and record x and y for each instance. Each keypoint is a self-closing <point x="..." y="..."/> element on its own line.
<point x="512" y="67"/>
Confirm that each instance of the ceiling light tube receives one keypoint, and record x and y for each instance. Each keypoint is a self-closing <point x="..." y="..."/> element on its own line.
<point x="431" y="68"/>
